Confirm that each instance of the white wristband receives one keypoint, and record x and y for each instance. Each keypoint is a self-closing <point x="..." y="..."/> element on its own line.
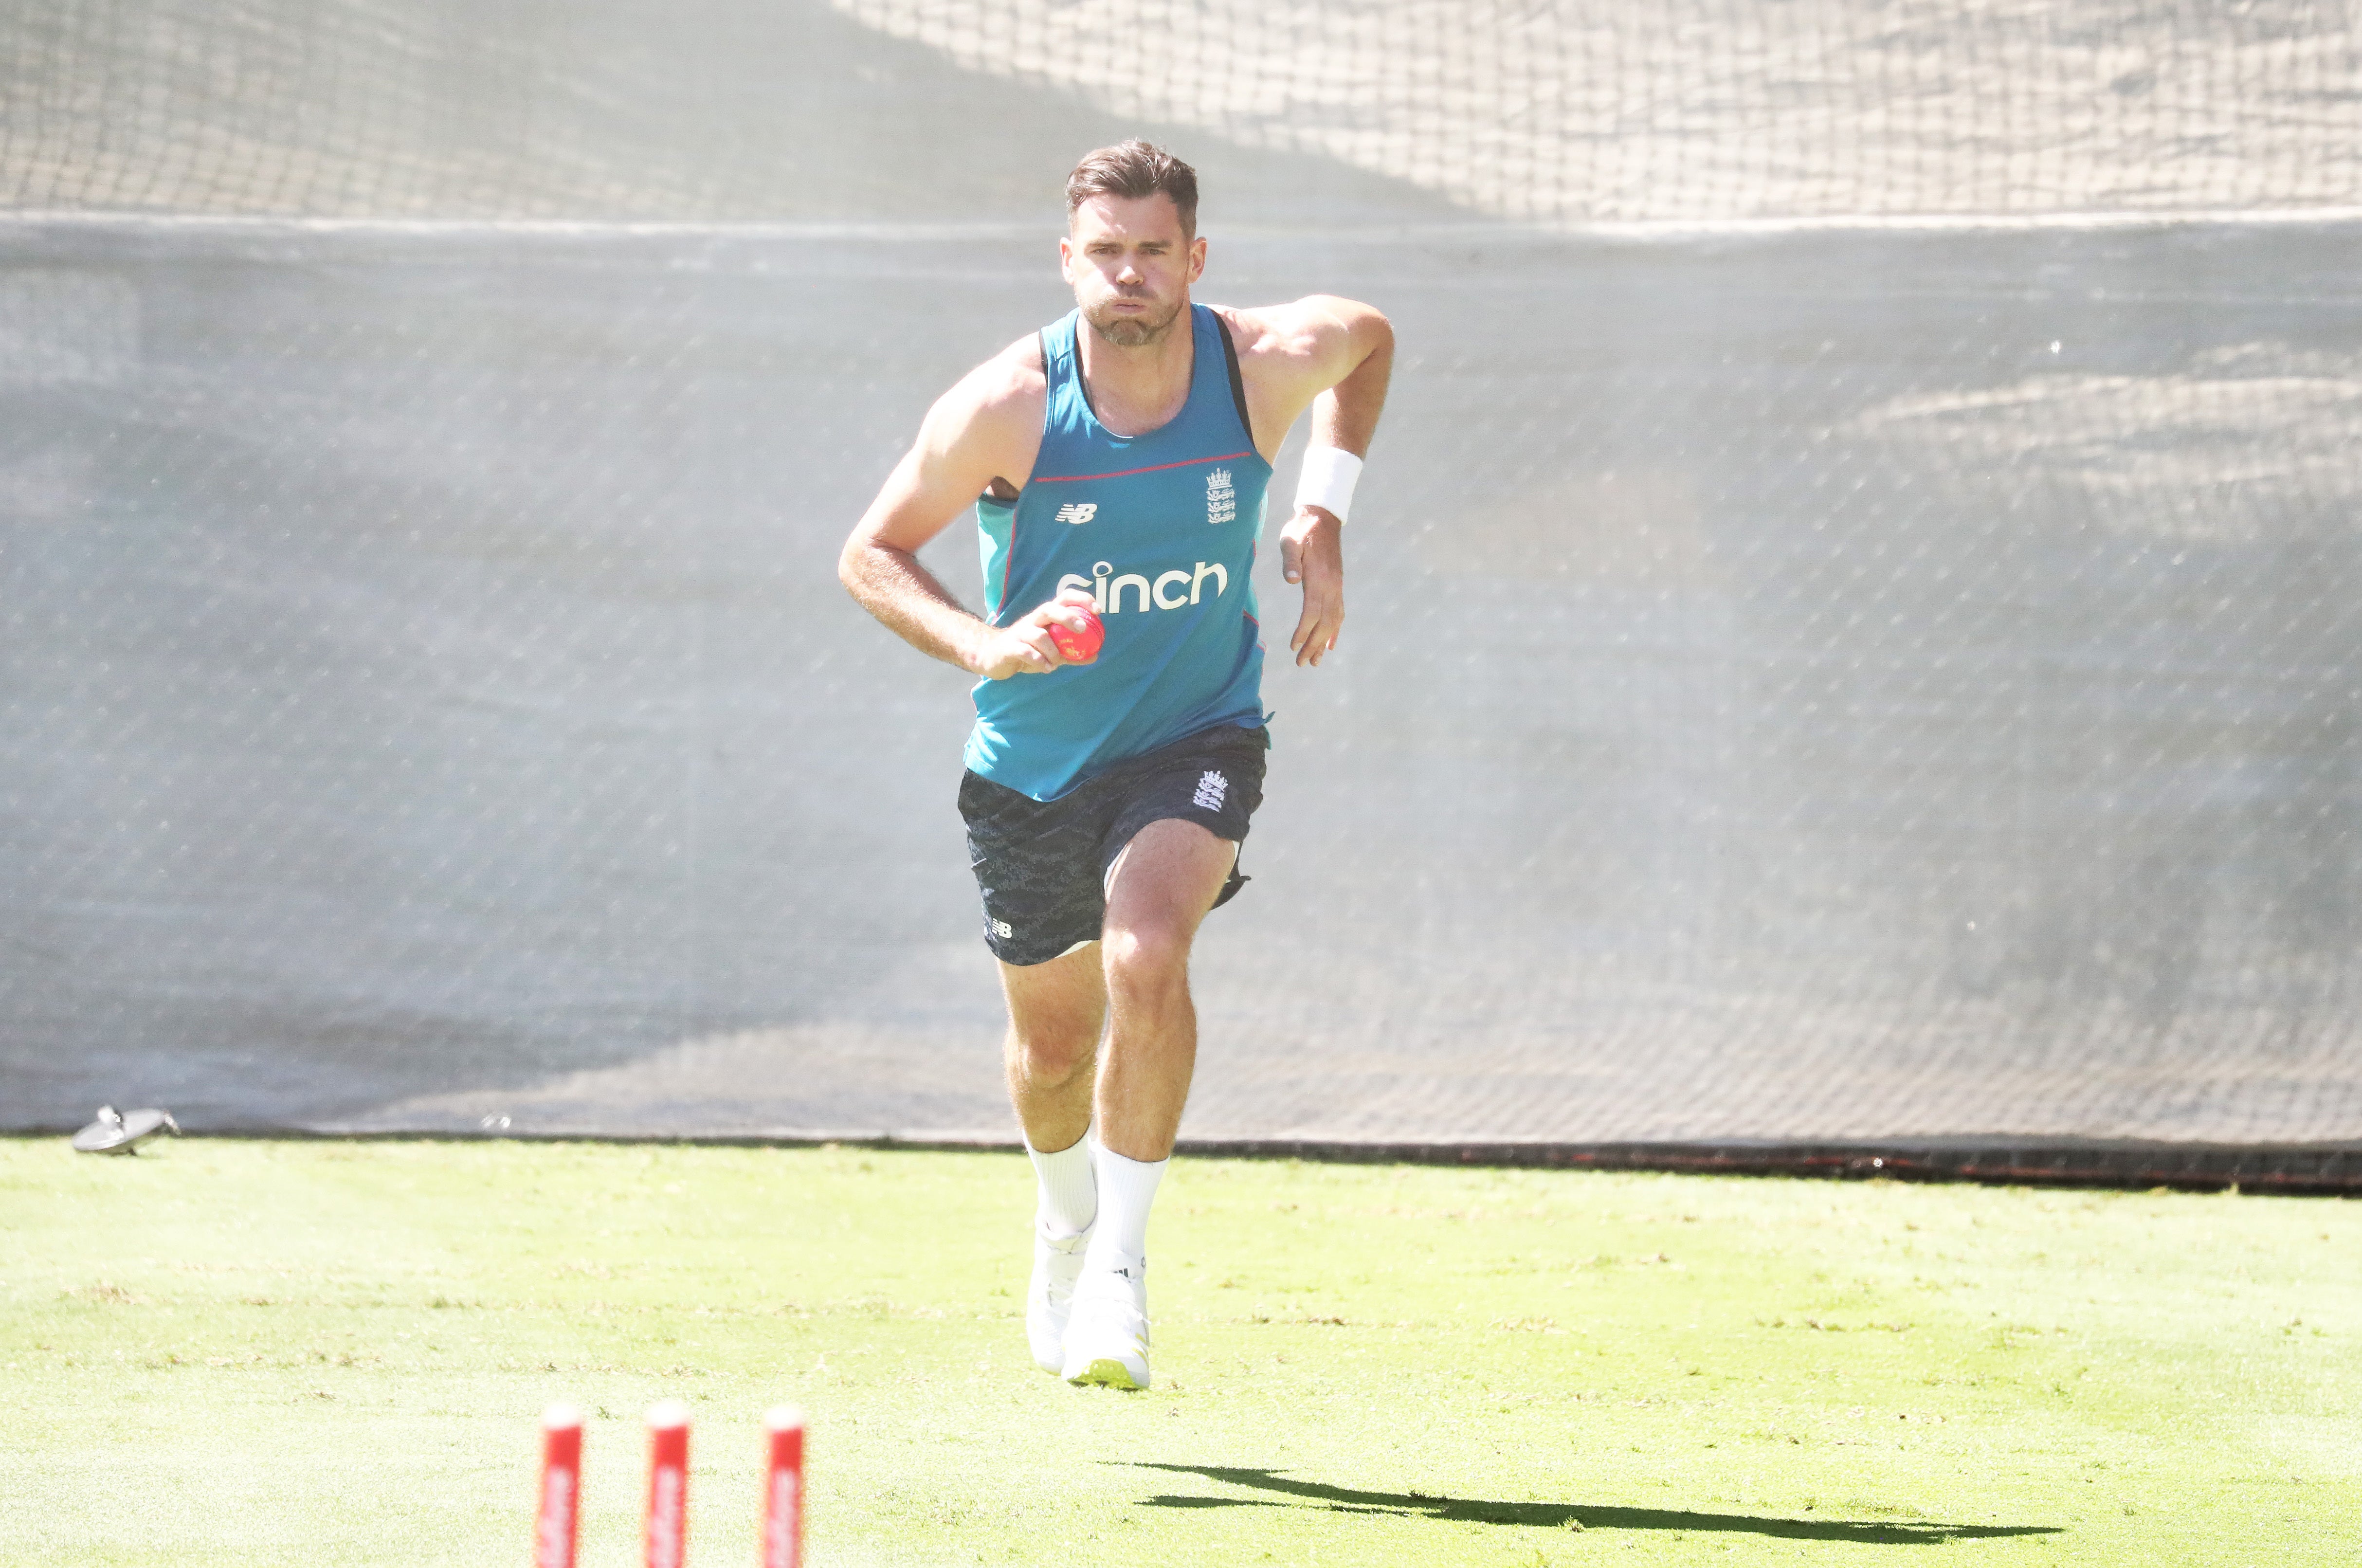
<point x="1328" y="478"/>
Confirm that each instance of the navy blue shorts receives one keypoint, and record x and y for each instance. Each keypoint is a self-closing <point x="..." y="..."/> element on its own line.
<point x="1042" y="865"/>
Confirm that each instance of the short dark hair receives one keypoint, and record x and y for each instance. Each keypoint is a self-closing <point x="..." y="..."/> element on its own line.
<point x="1135" y="169"/>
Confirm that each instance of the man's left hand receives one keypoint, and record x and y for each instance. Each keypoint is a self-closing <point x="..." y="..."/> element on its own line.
<point x="1312" y="552"/>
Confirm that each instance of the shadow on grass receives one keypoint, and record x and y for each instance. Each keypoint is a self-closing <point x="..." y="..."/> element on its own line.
<point x="1475" y="1510"/>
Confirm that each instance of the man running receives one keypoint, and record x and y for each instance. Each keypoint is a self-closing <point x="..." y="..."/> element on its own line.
<point x="1117" y="462"/>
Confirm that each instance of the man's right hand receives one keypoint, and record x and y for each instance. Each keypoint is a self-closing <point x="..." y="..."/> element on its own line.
<point x="1024" y="647"/>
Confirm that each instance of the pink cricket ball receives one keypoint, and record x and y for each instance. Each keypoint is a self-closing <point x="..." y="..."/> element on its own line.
<point x="1078" y="647"/>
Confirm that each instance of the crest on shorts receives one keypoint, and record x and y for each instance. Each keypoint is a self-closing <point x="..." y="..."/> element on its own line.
<point x="1211" y="788"/>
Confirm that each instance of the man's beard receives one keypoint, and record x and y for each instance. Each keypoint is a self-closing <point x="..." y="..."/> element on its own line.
<point x="1130" y="331"/>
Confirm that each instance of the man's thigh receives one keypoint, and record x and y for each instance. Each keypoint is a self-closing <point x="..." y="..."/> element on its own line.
<point x="1166" y="878"/>
<point x="1212" y="781"/>
<point x="1059" y="1006"/>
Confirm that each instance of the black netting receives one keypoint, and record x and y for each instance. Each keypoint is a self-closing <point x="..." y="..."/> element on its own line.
<point x="1693" y="111"/>
<point x="1706" y="111"/>
<point x="1824" y="689"/>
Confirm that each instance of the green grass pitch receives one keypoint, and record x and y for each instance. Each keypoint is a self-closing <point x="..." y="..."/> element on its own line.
<point x="256" y="1354"/>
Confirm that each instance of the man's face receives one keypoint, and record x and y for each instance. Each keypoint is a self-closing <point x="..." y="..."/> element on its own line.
<point x="1131" y="266"/>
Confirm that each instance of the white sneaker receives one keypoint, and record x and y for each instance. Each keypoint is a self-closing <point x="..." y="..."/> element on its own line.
<point x="1057" y="1262"/>
<point x="1107" y="1333"/>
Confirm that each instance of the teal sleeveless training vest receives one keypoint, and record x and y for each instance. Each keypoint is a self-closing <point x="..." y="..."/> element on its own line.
<point x="1161" y="530"/>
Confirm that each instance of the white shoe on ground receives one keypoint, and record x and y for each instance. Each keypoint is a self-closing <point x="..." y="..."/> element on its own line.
<point x="1057" y="1263"/>
<point x="1107" y="1332"/>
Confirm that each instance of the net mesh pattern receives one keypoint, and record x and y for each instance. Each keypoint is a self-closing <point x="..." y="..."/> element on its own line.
<point x="1691" y="111"/>
<point x="1844" y="684"/>
<point x="1813" y="686"/>
<point x="611" y="110"/>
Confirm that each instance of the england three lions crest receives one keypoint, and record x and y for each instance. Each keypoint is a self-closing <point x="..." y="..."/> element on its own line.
<point x="1221" y="497"/>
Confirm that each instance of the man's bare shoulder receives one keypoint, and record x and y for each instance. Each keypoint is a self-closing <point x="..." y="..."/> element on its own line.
<point x="1289" y="354"/>
<point x="1002" y="395"/>
<point x="1298" y="330"/>
<point x="989" y="425"/>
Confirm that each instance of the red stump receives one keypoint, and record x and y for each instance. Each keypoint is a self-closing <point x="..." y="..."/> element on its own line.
<point x="557" y="1525"/>
<point x="783" y="1489"/>
<point x="667" y="1533"/>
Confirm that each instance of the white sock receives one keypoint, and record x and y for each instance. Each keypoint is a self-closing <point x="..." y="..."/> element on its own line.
<point x="1126" y="1189"/>
<point x="1068" y="1199"/>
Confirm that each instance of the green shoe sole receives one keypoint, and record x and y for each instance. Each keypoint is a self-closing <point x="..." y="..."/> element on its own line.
<point x="1106" y="1373"/>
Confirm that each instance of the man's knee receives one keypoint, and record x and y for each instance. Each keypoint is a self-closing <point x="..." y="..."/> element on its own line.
<point x="1054" y="1065"/>
<point x="1052" y="1052"/>
<point x="1147" y="954"/>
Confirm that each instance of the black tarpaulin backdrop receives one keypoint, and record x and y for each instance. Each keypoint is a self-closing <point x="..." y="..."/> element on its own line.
<point x="1848" y="681"/>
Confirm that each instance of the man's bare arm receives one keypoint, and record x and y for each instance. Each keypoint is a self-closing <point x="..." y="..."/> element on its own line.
<point x="1335" y="356"/>
<point x="1360" y="343"/>
<point x="986" y="428"/>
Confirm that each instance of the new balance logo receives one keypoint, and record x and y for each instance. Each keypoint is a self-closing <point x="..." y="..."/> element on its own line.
<point x="1221" y="497"/>
<point x="1211" y="788"/>
<point x="1078" y="511"/>
<point x="1003" y="929"/>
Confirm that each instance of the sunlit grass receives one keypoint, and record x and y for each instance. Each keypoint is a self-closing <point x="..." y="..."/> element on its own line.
<point x="328" y="1354"/>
